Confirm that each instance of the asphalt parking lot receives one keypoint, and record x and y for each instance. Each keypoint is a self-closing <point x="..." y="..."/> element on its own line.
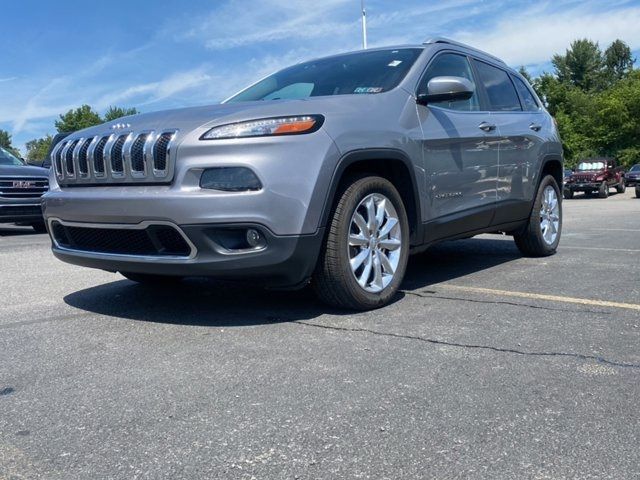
<point x="488" y="365"/>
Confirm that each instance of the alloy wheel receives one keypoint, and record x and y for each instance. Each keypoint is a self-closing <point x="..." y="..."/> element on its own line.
<point x="550" y="215"/>
<point x="374" y="243"/>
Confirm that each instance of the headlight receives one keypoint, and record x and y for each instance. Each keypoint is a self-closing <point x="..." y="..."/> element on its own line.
<point x="266" y="127"/>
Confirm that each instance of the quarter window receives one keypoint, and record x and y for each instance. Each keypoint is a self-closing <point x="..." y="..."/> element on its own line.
<point x="528" y="100"/>
<point x="501" y="93"/>
<point x="451" y="65"/>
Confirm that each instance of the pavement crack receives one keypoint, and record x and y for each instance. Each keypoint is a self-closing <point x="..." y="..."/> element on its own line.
<point x="473" y="346"/>
<point x="505" y="302"/>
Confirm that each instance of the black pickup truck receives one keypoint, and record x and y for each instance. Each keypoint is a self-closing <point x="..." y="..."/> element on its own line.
<point x="21" y="187"/>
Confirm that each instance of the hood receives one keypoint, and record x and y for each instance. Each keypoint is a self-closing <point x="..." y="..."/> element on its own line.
<point x="23" y="171"/>
<point x="186" y="120"/>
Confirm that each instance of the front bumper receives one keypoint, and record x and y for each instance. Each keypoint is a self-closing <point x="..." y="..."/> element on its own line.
<point x="632" y="182"/>
<point x="283" y="262"/>
<point x="16" y="213"/>
<point x="582" y="186"/>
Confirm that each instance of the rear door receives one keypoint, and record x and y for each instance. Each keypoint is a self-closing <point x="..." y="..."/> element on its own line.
<point x="521" y="125"/>
<point x="460" y="153"/>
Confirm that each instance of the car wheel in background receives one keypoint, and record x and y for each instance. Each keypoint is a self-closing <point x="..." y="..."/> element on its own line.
<point x="568" y="194"/>
<point x="541" y="235"/>
<point x="637" y="191"/>
<point x="39" y="227"/>
<point x="621" y="187"/>
<point x="365" y="254"/>
<point x="603" y="192"/>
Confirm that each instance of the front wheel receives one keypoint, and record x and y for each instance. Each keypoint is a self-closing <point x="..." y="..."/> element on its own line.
<point x="637" y="191"/>
<point x="541" y="235"/>
<point x="621" y="187"/>
<point x="603" y="192"/>
<point x="365" y="254"/>
<point x="568" y="194"/>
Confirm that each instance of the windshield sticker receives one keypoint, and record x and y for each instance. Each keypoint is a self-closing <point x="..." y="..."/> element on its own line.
<point x="395" y="63"/>
<point x="368" y="90"/>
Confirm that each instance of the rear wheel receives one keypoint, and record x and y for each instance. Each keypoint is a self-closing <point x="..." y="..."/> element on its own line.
<point x="542" y="233"/>
<point x="568" y="194"/>
<point x="603" y="192"/>
<point x="150" y="279"/>
<point x="365" y="254"/>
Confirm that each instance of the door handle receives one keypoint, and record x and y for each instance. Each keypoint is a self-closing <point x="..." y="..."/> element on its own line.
<point x="535" y="127"/>
<point x="487" y="127"/>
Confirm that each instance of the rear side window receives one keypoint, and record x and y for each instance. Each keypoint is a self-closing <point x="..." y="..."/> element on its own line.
<point x="528" y="100"/>
<point x="501" y="93"/>
<point x="451" y="65"/>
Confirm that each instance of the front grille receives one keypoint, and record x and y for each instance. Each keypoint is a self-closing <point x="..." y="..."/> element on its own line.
<point x="108" y="159"/>
<point x="154" y="240"/>
<point x="23" y="187"/>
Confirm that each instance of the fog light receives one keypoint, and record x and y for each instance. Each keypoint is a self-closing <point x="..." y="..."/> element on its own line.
<point x="230" y="179"/>
<point x="254" y="239"/>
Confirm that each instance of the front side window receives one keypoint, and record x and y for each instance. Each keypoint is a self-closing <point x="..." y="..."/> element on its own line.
<point x="451" y="65"/>
<point x="6" y="158"/>
<point x="635" y="168"/>
<point x="501" y="93"/>
<point x="360" y="73"/>
<point x="528" y="100"/>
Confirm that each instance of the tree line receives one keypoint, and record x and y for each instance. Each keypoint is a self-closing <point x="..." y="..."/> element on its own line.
<point x="594" y="96"/>
<point x="74" y="119"/>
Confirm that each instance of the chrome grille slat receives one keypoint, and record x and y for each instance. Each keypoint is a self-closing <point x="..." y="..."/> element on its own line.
<point x="38" y="186"/>
<point x="143" y="156"/>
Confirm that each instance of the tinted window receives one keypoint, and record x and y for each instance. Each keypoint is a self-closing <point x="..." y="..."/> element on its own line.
<point x="528" y="100"/>
<point x="635" y="168"/>
<point x="451" y="65"/>
<point x="7" y="158"/>
<point x="502" y="95"/>
<point x="365" y="72"/>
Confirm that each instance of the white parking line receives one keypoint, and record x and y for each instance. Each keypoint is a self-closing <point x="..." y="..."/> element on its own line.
<point x="540" y="296"/>
<point x="600" y="248"/>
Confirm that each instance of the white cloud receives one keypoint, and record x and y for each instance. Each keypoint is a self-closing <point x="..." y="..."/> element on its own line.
<point x="536" y="34"/>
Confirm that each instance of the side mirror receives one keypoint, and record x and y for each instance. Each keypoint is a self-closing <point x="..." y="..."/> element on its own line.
<point x="446" y="89"/>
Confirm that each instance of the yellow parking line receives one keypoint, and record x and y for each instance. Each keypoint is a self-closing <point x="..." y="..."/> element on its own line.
<point x="540" y="296"/>
<point x="606" y="249"/>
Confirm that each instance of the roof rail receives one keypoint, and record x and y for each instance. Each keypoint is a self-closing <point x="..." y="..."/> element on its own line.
<point x="460" y="44"/>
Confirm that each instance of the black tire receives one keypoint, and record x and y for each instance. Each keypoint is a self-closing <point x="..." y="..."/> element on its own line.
<point x="39" y="227"/>
<point x="637" y="191"/>
<point x="568" y="194"/>
<point x="621" y="187"/>
<point x="333" y="281"/>
<point x="530" y="241"/>
<point x="150" y="279"/>
<point x="603" y="191"/>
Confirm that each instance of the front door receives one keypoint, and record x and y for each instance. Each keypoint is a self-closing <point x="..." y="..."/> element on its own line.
<point x="460" y="148"/>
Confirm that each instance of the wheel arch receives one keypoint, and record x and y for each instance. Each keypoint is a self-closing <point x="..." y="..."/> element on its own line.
<point x="392" y="164"/>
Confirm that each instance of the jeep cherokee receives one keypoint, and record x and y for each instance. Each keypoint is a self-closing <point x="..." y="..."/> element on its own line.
<point x="330" y="172"/>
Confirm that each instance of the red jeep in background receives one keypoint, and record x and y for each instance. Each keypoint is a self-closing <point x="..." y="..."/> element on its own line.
<point x="595" y="175"/>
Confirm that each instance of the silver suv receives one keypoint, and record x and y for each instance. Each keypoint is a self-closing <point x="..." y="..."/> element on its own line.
<point x="331" y="172"/>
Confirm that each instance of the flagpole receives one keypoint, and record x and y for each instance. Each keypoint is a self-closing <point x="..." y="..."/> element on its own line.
<point x="364" y="25"/>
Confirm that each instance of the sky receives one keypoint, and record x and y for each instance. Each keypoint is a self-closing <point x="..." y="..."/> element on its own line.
<point x="162" y="54"/>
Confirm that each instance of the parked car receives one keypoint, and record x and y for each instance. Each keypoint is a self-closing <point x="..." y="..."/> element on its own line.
<point x="596" y="175"/>
<point x="632" y="177"/>
<point x="21" y="187"/>
<point x="329" y="172"/>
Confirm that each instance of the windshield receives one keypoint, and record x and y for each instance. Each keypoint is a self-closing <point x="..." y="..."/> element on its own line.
<point x="635" y="168"/>
<point x="7" y="158"/>
<point x="585" y="166"/>
<point x="365" y="72"/>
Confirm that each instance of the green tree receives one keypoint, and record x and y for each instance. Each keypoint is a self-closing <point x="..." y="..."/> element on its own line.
<point x="81" y="117"/>
<point x="5" y="142"/>
<point x="114" y="113"/>
<point x="525" y="73"/>
<point x="581" y="66"/>
<point x="38" y="148"/>
<point x="618" y="60"/>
